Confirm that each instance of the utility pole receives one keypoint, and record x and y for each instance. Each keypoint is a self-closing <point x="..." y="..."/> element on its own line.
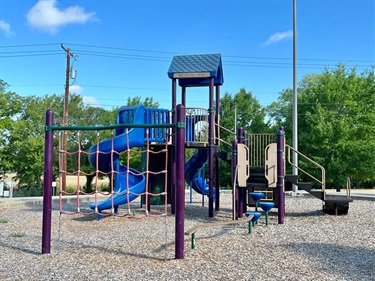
<point x="295" y="97"/>
<point x="66" y="116"/>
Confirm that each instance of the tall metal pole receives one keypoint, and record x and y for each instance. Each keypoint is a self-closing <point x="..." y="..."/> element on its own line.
<point x="66" y="116"/>
<point x="295" y="96"/>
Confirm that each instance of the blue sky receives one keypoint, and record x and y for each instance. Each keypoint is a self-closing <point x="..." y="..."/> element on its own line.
<point x="123" y="48"/>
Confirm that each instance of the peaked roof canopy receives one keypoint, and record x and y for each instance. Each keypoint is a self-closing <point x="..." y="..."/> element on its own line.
<point x="196" y="70"/>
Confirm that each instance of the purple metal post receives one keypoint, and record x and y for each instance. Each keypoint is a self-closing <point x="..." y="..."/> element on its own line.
<point x="241" y="197"/>
<point x="280" y="174"/>
<point x="217" y="143"/>
<point x="180" y="182"/>
<point x="173" y="156"/>
<point x="211" y="126"/>
<point x="234" y="190"/>
<point x="47" y="189"/>
<point x="183" y="96"/>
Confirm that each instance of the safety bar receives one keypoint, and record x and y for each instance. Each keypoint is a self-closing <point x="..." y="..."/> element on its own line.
<point x="322" y="181"/>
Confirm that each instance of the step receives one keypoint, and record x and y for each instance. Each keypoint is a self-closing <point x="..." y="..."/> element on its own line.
<point x="257" y="184"/>
<point x="225" y="156"/>
<point x="291" y="178"/>
<point x="305" y="186"/>
<point x="337" y="199"/>
<point x="317" y="193"/>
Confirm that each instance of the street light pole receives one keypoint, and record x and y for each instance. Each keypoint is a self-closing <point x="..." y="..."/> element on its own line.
<point x="295" y="97"/>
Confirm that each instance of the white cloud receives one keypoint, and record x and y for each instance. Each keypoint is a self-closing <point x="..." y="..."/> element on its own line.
<point x="5" y="27"/>
<point x="47" y="17"/>
<point x="279" y="36"/>
<point x="91" y="101"/>
<point x="75" y="89"/>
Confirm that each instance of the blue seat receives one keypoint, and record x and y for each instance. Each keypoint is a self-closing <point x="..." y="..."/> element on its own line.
<point x="266" y="207"/>
<point x="255" y="218"/>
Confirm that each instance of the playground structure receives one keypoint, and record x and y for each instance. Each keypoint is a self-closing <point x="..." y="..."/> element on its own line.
<point x="170" y="133"/>
<point x="264" y="174"/>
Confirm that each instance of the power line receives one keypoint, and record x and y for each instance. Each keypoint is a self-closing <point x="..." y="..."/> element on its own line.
<point x="157" y="58"/>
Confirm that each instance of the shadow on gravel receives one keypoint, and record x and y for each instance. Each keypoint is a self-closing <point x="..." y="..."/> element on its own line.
<point x="316" y="213"/>
<point x="104" y="250"/>
<point x="355" y="263"/>
<point x="17" y="248"/>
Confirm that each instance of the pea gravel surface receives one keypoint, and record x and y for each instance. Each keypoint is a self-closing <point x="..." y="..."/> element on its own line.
<point x="310" y="245"/>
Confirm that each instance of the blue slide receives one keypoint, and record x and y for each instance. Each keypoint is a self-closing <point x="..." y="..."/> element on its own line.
<point x="123" y="180"/>
<point x="192" y="171"/>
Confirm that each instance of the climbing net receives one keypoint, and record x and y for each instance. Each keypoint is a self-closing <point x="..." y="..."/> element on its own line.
<point x="136" y="204"/>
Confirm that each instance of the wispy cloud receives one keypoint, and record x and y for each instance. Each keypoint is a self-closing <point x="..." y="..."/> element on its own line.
<point x="47" y="17"/>
<point x="6" y="29"/>
<point x="91" y="101"/>
<point x="279" y="36"/>
<point x="75" y="89"/>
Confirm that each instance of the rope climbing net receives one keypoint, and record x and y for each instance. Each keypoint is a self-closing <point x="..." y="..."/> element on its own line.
<point x="113" y="187"/>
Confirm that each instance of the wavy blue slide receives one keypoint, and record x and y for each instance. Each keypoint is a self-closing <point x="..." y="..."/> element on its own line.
<point x="192" y="171"/>
<point x="136" y="182"/>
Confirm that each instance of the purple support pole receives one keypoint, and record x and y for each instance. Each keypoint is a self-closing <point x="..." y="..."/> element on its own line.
<point x="180" y="182"/>
<point x="280" y="174"/>
<point x="173" y="156"/>
<point x="47" y="191"/>
<point x="217" y="143"/>
<point x="234" y="190"/>
<point x="211" y="126"/>
<point x="183" y="96"/>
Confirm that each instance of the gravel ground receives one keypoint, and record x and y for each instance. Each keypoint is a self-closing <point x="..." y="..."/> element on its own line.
<point x="309" y="246"/>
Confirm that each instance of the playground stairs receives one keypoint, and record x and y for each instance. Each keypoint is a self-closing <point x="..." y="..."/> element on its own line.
<point x="332" y="204"/>
<point x="257" y="182"/>
<point x="225" y="156"/>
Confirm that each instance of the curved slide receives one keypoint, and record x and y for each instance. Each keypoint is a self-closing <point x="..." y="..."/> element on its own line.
<point x="192" y="171"/>
<point x="123" y="180"/>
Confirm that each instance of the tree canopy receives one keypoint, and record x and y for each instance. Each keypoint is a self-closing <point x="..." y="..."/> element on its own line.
<point x="336" y="121"/>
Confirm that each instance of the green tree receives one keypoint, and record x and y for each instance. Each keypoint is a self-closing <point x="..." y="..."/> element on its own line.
<point x="25" y="140"/>
<point x="10" y="106"/>
<point x="250" y="116"/>
<point x="147" y="102"/>
<point x="336" y="120"/>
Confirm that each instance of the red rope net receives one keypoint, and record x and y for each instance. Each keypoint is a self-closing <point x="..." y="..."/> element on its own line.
<point x="76" y="197"/>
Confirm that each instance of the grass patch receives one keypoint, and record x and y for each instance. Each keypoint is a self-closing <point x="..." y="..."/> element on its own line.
<point x="3" y="220"/>
<point x="18" y="234"/>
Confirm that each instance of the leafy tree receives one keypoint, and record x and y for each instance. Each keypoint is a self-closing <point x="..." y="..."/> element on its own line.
<point x="25" y="141"/>
<point x="10" y="106"/>
<point x="336" y="120"/>
<point x="147" y="102"/>
<point x="250" y="116"/>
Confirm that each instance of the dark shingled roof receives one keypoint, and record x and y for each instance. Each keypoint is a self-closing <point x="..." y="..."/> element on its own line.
<point x="196" y="70"/>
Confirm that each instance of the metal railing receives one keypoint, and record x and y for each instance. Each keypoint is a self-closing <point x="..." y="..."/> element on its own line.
<point x="348" y="187"/>
<point x="323" y="172"/>
<point x="257" y="146"/>
<point x="196" y="125"/>
<point x="225" y="129"/>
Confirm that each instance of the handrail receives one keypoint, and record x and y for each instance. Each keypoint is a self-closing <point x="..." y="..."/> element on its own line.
<point x="225" y="129"/>
<point x="322" y="181"/>
<point x="348" y="187"/>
